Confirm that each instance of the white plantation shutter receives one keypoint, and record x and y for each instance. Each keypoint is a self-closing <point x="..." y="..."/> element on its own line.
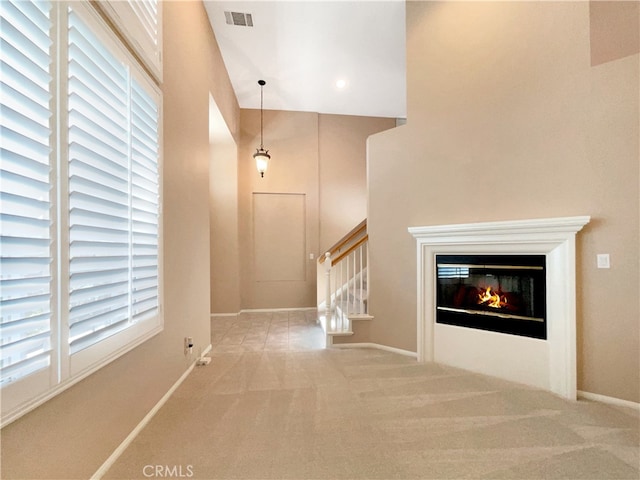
<point x="147" y="14"/>
<point x="139" y="21"/>
<point x="80" y="225"/>
<point x="113" y="193"/>
<point x="145" y="202"/>
<point x="25" y="198"/>
<point x="98" y="189"/>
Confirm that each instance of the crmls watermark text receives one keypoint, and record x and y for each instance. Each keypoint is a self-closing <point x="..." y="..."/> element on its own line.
<point x="168" y="471"/>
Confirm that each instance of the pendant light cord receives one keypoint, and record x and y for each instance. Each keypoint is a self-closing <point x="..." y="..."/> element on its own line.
<point x="261" y="91"/>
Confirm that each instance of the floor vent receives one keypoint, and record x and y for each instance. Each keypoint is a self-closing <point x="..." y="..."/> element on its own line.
<point x="238" y="18"/>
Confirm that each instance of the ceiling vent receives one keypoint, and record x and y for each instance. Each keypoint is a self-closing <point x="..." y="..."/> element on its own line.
<point x="237" y="18"/>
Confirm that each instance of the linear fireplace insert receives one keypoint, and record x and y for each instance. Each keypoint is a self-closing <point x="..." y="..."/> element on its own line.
<point x="500" y="293"/>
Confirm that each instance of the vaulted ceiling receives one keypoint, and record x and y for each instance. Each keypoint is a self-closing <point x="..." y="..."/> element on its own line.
<point x="302" y="48"/>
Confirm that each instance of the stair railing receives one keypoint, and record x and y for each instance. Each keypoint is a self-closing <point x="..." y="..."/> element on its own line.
<point x="345" y="278"/>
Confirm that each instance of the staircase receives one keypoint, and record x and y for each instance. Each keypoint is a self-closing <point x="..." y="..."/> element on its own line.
<point x="343" y="286"/>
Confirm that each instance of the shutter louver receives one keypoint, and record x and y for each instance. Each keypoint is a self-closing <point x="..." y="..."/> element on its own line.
<point x="147" y="14"/>
<point x="99" y="228"/>
<point x="25" y="185"/>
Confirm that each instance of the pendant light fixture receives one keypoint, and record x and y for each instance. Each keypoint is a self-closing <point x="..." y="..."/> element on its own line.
<point x="261" y="156"/>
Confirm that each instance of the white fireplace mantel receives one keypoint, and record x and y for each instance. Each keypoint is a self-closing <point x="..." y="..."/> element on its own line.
<point x="549" y="364"/>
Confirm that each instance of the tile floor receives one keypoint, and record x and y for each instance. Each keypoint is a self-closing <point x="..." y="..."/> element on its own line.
<point x="295" y="330"/>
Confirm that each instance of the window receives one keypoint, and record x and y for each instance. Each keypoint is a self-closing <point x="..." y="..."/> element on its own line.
<point x="25" y="189"/>
<point x="80" y="216"/>
<point x="139" y="22"/>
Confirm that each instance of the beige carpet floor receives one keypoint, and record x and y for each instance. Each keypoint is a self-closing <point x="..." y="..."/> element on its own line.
<point x="274" y="405"/>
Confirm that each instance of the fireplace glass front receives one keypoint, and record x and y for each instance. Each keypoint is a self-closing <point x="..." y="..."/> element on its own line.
<point x="500" y="293"/>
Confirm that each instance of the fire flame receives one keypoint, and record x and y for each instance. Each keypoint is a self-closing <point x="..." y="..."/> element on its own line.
<point x="491" y="299"/>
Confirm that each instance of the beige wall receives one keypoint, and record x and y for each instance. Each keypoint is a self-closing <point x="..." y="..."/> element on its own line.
<point x="292" y="140"/>
<point x="72" y="435"/>
<point x="343" y="167"/>
<point x="223" y="209"/>
<point x="316" y="156"/>
<point x="509" y="120"/>
<point x="614" y="31"/>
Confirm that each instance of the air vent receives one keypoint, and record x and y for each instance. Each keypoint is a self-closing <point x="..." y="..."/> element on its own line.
<point x="238" y="18"/>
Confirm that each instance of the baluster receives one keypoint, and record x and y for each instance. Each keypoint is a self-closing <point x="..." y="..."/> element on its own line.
<point x="334" y="279"/>
<point x="361" y="309"/>
<point x="347" y="285"/>
<point x="367" y="260"/>
<point x="345" y="295"/>
<point x="354" y="277"/>
<point x="327" y="292"/>
<point x="349" y="282"/>
<point x="340" y="289"/>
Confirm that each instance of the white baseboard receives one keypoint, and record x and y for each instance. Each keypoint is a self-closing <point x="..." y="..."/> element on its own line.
<point x="143" y="423"/>
<point x="206" y="350"/>
<point x="377" y="346"/>
<point x="262" y="310"/>
<point x="271" y="310"/>
<point x="618" y="402"/>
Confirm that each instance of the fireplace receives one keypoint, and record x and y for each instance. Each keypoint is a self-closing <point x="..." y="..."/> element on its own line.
<point x="499" y="293"/>
<point x="530" y="267"/>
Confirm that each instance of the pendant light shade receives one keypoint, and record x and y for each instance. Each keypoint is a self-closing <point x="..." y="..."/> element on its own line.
<point x="261" y="156"/>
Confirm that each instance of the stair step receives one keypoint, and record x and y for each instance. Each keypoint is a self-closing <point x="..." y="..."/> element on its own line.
<point x="334" y="326"/>
<point x="340" y="333"/>
<point x="360" y="316"/>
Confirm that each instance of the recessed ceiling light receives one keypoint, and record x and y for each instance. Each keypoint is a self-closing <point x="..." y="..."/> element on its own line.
<point x="341" y="83"/>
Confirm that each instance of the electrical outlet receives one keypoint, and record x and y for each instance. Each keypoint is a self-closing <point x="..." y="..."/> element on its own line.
<point x="603" y="261"/>
<point x="188" y="345"/>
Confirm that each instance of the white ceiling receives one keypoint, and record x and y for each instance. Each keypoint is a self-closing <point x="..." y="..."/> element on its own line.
<point x="302" y="47"/>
